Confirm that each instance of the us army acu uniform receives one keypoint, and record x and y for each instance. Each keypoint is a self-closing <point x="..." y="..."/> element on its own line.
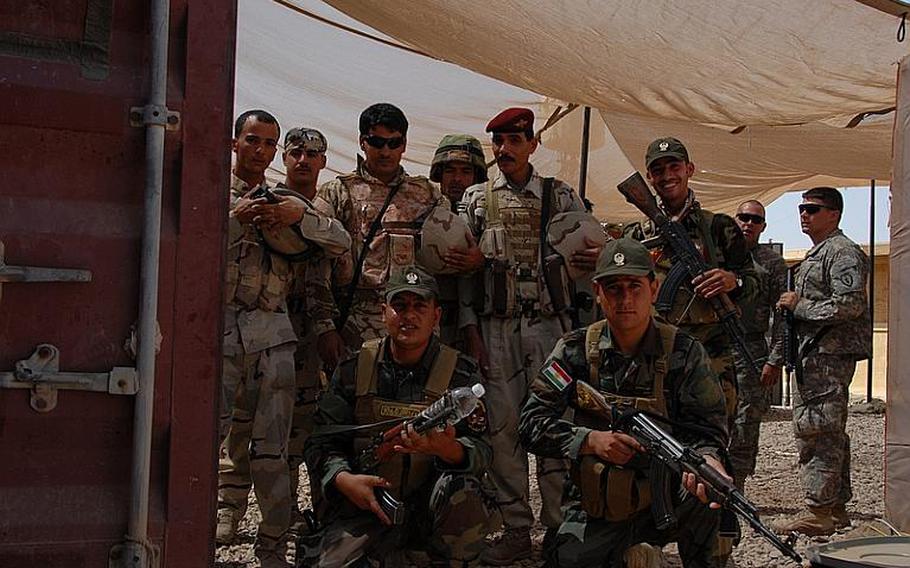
<point x="356" y="199"/>
<point x="754" y="397"/>
<point x="457" y="291"/>
<point x="520" y="326"/>
<point x="833" y="324"/>
<point x="447" y="512"/>
<point x="258" y="378"/>
<point x="669" y="375"/>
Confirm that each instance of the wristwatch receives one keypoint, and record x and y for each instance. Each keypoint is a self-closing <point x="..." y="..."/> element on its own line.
<point x="739" y="282"/>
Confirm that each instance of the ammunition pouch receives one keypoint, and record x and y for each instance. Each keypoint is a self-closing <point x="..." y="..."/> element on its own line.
<point x="555" y="289"/>
<point x="500" y="276"/>
<point x="611" y="492"/>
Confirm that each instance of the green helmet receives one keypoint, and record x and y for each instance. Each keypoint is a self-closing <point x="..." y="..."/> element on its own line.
<point x="459" y="148"/>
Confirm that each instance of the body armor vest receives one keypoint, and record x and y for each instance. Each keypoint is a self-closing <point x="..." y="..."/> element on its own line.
<point x="395" y="244"/>
<point x="406" y="473"/>
<point x="611" y="491"/>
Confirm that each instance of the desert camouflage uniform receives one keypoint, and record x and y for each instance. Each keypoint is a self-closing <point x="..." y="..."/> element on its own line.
<point x="754" y="397"/>
<point x="519" y="342"/>
<point x="834" y="329"/>
<point x="355" y="199"/>
<point x="448" y="512"/>
<point x="722" y="243"/>
<point x="692" y="396"/>
<point x="258" y="378"/>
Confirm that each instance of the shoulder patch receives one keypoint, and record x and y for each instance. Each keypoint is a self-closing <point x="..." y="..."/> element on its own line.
<point x="557" y="376"/>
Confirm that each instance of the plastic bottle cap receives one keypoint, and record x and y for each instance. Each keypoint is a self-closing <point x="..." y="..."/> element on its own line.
<point x="478" y="390"/>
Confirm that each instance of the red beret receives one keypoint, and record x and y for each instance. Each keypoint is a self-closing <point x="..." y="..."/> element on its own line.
<point x="513" y="119"/>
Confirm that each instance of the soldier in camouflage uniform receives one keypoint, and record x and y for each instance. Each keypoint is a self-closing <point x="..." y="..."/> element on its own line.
<point x="259" y="341"/>
<point x="754" y="391"/>
<point x="459" y="163"/>
<point x="721" y="242"/>
<point x="833" y="326"/>
<point x="356" y="200"/>
<point x="304" y="158"/>
<point x="635" y="361"/>
<point x="518" y="320"/>
<point x="437" y="474"/>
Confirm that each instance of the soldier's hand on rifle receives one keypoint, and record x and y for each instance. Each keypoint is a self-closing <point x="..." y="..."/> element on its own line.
<point x="713" y="282"/>
<point x="330" y="347"/>
<point x="788" y="301"/>
<point x="476" y="348"/>
<point x="434" y="442"/>
<point x="771" y="374"/>
<point x="465" y="259"/>
<point x="612" y="447"/>
<point x="359" y="490"/>
<point x="695" y="487"/>
<point x="585" y="260"/>
<point x="276" y="215"/>
<point x="245" y="209"/>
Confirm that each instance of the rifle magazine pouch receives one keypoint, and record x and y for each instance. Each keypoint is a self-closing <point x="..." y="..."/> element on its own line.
<point x="610" y="492"/>
<point x="401" y="250"/>
<point x="554" y="289"/>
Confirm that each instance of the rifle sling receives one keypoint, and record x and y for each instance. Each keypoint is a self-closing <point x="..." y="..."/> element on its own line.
<point x="349" y="428"/>
<point x="345" y="309"/>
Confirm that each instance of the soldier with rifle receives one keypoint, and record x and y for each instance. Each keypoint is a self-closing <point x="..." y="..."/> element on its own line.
<point x="416" y="488"/>
<point x="636" y="361"/>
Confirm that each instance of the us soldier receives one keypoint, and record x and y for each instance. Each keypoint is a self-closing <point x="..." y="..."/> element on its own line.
<point x="754" y="395"/>
<point x="259" y="340"/>
<point x="522" y="316"/>
<point x="639" y="362"/>
<point x="833" y="326"/>
<point x="381" y="206"/>
<point x="436" y="474"/>
<point x="459" y="163"/>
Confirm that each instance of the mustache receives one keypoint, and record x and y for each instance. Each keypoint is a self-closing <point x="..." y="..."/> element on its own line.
<point x="505" y="158"/>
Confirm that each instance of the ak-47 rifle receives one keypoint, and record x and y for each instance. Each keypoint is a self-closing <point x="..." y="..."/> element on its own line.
<point x="452" y="407"/>
<point x="675" y="456"/>
<point x="687" y="263"/>
<point x="791" y="343"/>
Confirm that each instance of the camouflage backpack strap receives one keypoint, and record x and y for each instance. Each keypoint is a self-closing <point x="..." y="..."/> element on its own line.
<point x="441" y="372"/>
<point x="491" y="204"/>
<point x="592" y="350"/>
<point x="667" y="334"/>
<point x="366" y="366"/>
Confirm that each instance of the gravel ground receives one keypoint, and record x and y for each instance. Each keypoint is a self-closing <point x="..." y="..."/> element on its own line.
<point x="774" y="489"/>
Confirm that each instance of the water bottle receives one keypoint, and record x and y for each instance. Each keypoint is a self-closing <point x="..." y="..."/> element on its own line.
<point x="452" y="407"/>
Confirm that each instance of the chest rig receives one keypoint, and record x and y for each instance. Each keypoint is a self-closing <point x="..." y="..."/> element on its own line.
<point x="255" y="277"/>
<point x="395" y="243"/>
<point x="406" y="473"/>
<point x="609" y="491"/>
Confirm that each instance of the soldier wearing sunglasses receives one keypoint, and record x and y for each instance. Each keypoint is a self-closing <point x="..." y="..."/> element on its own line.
<point x="754" y="390"/>
<point x="833" y="327"/>
<point x="382" y="207"/>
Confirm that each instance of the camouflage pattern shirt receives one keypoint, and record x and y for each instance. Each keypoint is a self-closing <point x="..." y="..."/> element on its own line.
<point x="695" y="401"/>
<point x="327" y="456"/>
<point x="757" y="314"/>
<point x="833" y="309"/>
<point x="722" y="244"/>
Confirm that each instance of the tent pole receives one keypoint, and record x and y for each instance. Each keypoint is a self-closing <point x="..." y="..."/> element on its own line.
<point x="585" y="139"/>
<point x="869" y="366"/>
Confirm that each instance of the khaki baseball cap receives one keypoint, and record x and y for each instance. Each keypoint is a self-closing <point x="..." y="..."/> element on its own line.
<point x="665" y="147"/>
<point x="623" y="257"/>
<point x="412" y="279"/>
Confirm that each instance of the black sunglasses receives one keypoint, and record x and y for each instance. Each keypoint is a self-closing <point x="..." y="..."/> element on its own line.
<point x="749" y="218"/>
<point x="812" y="208"/>
<point x="380" y="141"/>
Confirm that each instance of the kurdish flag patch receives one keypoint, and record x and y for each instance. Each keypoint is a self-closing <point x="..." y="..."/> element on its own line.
<point x="557" y="376"/>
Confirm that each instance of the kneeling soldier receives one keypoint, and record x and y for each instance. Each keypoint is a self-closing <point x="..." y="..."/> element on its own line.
<point x="639" y="362"/>
<point x="436" y="474"/>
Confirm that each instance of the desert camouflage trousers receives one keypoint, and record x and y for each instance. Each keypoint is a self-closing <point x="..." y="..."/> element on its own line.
<point x="591" y="543"/>
<point x="754" y="399"/>
<point x="257" y="404"/>
<point x="518" y="348"/>
<point x="819" y="423"/>
<point x="449" y="523"/>
<point x="365" y="320"/>
<point x="309" y="388"/>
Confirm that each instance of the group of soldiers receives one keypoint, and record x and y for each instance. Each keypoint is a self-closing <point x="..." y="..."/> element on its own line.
<point x="353" y="305"/>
